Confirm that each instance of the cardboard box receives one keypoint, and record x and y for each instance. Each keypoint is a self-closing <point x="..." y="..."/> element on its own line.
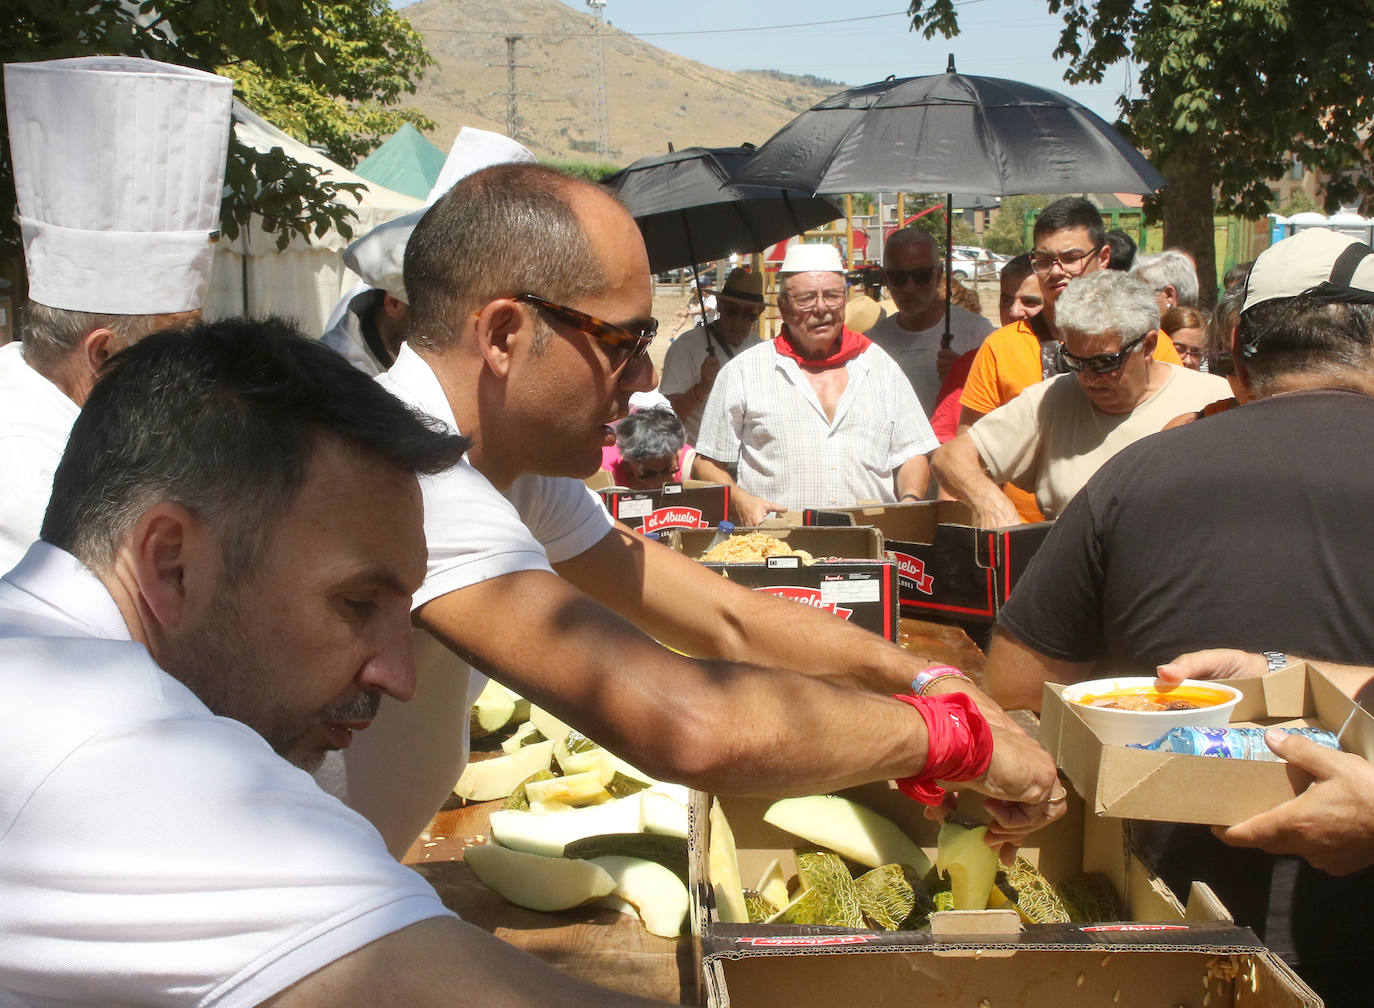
<point x="1171" y="787"/>
<point x="948" y="568"/>
<point x="1170" y="955"/>
<point x="861" y="587"/>
<point x="691" y="504"/>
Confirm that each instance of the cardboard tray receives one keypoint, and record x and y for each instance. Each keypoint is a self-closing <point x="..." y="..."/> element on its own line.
<point x="1168" y="955"/>
<point x="691" y="504"/>
<point x="948" y="568"/>
<point x="1170" y="787"/>
<point x="861" y="588"/>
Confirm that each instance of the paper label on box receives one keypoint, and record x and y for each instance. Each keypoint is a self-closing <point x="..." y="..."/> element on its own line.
<point x="851" y="591"/>
<point x="635" y="507"/>
<point x="782" y="561"/>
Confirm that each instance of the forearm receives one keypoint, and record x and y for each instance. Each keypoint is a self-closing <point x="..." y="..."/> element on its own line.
<point x="959" y="468"/>
<point x="913" y="478"/>
<point x="713" y="471"/>
<point x="684" y="402"/>
<point x="1015" y="674"/>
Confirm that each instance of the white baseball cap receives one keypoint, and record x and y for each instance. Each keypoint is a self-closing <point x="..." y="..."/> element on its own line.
<point x="119" y="172"/>
<point x="1325" y="264"/>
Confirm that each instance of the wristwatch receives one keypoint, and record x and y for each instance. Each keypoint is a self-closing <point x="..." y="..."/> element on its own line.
<point x="1275" y="659"/>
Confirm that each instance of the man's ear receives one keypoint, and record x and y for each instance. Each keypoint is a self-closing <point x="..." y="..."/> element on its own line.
<point x="97" y="346"/>
<point x="174" y="562"/>
<point x="1104" y="257"/>
<point x="393" y="306"/>
<point x="1147" y="348"/>
<point x="498" y="328"/>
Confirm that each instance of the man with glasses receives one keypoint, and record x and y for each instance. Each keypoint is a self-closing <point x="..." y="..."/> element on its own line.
<point x="1242" y="530"/>
<point x="913" y="337"/>
<point x="530" y="298"/>
<point x="818" y="418"/>
<point x="1050" y="439"/>
<point x="694" y="358"/>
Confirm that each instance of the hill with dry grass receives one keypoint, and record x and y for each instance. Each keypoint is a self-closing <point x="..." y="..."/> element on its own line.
<point x="653" y="97"/>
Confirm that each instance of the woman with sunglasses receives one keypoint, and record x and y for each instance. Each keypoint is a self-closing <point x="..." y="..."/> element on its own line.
<point x="650" y="450"/>
<point x="1056" y="434"/>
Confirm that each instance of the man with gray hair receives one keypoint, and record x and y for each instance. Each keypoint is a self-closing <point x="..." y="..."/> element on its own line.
<point x="113" y="251"/>
<point x="1171" y="275"/>
<point x="1242" y="530"/>
<point x="1050" y="439"/>
<point x="913" y="270"/>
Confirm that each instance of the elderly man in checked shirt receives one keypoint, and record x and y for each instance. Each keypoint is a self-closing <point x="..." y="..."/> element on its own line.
<point x="820" y="417"/>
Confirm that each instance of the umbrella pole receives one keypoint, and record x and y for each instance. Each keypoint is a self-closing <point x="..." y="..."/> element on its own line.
<point x="696" y="282"/>
<point x="947" y="340"/>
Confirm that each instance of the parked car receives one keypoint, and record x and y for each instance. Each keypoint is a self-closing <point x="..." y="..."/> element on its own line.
<point x="967" y="262"/>
<point x="683" y="274"/>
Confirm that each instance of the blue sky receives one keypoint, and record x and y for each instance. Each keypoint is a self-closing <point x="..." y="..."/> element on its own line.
<point x="861" y="41"/>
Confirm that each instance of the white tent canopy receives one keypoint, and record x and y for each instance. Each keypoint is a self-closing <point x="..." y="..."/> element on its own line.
<point x="304" y="280"/>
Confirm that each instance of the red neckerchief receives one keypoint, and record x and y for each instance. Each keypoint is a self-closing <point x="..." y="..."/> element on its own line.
<point x="851" y="344"/>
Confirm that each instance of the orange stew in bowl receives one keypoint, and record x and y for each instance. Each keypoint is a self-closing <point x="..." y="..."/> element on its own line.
<point x="1151" y="698"/>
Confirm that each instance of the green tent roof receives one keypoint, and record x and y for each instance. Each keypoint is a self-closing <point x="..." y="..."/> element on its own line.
<point x="406" y="163"/>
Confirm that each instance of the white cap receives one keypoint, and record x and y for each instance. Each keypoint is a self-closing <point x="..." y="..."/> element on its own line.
<point x="119" y="171"/>
<point x="379" y="255"/>
<point x="811" y="257"/>
<point x="1325" y="264"/>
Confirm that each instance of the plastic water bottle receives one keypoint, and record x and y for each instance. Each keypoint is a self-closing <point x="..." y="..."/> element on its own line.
<point x="1236" y="743"/>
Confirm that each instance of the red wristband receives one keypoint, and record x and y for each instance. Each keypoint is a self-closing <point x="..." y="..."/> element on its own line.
<point x="958" y="744"/>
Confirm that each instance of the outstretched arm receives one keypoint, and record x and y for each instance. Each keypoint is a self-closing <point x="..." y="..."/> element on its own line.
<point x="959" y="468"/>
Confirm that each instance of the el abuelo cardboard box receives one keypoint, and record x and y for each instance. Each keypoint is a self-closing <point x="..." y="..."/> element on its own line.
<point x="1174" y="787"/>
<point x="1165" y="956"/>
<point x="691" y="504"/>
<point x="948" y="568"/>
<point x="849" y="576"/>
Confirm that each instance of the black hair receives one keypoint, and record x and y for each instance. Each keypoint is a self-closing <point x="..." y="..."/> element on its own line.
<point x="222" y="418"/>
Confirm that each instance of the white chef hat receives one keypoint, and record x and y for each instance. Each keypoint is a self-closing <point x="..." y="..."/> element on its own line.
<point x="119" y="172"/>
<point x="379" y="255"/>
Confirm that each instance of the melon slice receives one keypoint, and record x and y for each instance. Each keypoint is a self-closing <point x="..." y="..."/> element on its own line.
<point x="773" y="885"/>
<point x="574" y="789"/>
<point x="547" y="833"/>
<point x="970" y="863"/>
<point x="656" y="892"/>
<point x="484" y="780"/>
<point x="723" y="864"/>
<point x="492" y="711"/>
<point x="539" y="883"/>
<point x="848" y="829"/>
<point x="549" y="726"/>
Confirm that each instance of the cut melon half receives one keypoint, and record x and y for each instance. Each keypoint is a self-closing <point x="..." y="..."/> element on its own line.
<point x="538" y="883"/>
<point x="848" y="829"/>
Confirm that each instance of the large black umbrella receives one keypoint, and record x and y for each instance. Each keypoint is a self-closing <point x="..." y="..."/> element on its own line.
<point x="690" y="211"/>
<point x="947" y="132"/>
<point x="944" y="132"/>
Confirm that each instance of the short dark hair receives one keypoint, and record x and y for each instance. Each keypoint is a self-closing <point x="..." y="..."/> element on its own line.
<point x="1016" y="269"/>
<point x="1123" y="249"/>
<point x="504" y="230"/>
<point x="1303" y="334"/>
<point x="223" y="419"/>
<point x="1071" y="212"/>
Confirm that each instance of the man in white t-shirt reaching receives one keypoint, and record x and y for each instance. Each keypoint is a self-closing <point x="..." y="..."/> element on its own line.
<point x="532" y="348"/>
<point x="914" y="273"/>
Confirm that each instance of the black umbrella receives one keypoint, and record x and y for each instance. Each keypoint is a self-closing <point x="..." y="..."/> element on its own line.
<point x="944" y="132"/>
<point x="689" y="210"/>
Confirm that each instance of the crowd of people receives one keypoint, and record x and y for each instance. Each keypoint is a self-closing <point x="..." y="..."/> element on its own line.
<point x="254" y="584"/>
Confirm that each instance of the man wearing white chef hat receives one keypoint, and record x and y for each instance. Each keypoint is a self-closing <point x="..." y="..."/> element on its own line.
<point x="368" y="325"/>
<point x="119" y="172"/>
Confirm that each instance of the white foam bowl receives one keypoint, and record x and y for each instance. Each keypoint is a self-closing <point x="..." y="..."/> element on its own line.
<point x="1122" y="727"/>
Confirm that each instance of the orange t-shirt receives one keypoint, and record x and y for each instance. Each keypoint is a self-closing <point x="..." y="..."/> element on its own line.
<point x="1007" y="364"/>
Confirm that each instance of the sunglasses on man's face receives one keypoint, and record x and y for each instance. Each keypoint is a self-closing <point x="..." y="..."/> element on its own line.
<point x="623" y="346"/>
<point x="1101" y="363"/>
<point x="920" y="277"/>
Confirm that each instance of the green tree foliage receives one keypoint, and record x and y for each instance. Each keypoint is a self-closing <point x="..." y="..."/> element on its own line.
<point x="1007" y="234"/>
<point x="1228" y="88"/>
<point x="329" y="72"/>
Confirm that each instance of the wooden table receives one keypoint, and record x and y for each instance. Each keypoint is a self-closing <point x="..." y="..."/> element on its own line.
<point x="597" y="944"/>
